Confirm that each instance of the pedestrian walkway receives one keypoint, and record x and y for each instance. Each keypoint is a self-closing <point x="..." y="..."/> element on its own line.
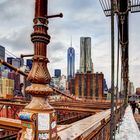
<point x="128" y="129"/>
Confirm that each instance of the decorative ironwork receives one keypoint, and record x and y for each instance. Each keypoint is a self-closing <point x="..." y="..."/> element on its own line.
<point x="40" y="78"/>
<point x="133" y="6"/>
<point x="122" y="8"/>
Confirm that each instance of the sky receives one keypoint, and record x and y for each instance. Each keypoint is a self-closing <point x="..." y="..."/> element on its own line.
<point x="82" y="18"/>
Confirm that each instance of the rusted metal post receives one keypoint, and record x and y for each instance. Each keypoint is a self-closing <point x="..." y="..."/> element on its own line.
<point x="39" y="118"/>
<point x="124" y="41"/>
<point x="26" y="55"/>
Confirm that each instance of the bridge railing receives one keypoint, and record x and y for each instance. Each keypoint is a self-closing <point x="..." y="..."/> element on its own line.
<point x="96" y="127"/>
<point x="88" y="100"/>
<point x="11" y="108"/>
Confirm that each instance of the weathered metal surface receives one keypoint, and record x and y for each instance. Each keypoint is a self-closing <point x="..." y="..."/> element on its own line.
<point x="7" y="135"/>
<point x="26" y="55"/>
<point x="65" y="94"/>
<point x="10" y="109"/>
<point x="11" y="124"/>
<point x="95" y="127"/>
<point x="13" y="103"/>
<point x="123" y="14"/>
<point x="82" y="105"/>
<point x="83" y="128"/>
<point x="44" y="126"/>
<point x="66" y="116"/>
<point x="74" y="109"/>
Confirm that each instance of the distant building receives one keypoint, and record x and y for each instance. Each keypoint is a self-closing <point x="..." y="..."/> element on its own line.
<point x="59" y="82"/>
<point x="57" y="73"/>
<point x="86" y="64"/>
<point x="29" y="63"/>
<point x="105" y="86"/>
<point x="63" y="83"/>
<point x="99" y="84"/>
<point x="16" y="62"/>
<point x="70" y="63"/>
<point x="2" y="68"/>
<point x="87" y="85"/>
<point x="2" y="52"/>
<point x="55" y="81"/>
<point x="21" y="62"/>
<point x="16" y="77"/>
<point x="130" y="88"/>
<point x="138" y="91"/>
<point x="4" y="73"/>
<point x="9" y="60"/>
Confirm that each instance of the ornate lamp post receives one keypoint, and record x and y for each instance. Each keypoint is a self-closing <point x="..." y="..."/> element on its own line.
<point x="39" y="118"/>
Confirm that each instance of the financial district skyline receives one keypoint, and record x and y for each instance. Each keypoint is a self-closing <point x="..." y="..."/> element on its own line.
<point x="86" y="64"/>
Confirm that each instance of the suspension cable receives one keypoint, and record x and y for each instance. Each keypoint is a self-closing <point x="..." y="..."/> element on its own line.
<point x="118" y="51"/>
<point x="11" y="53"/>
<point x="112" y="73"/>
<point x="117" y="77"/>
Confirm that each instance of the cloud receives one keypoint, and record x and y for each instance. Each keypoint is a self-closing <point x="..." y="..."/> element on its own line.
<point x="81" y="18"/>
<point x="17" y="40"/>
<point x="15" y="12"/>
<point x="15" y="26"/>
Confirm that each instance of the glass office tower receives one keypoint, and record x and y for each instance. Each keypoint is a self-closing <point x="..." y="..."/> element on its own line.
<point x="85" y="55"/>
<point x="70" y="63"/>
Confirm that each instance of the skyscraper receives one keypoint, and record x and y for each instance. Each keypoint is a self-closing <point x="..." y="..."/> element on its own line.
<point x="2" y="52"/>
<point x="57" y="73"/>
<point x="29" y="63"/>
<point x="16" y="62"/>
<point x="9" y="60"/>
<point x="85" y="55"/>
<point x="70" y="63"/>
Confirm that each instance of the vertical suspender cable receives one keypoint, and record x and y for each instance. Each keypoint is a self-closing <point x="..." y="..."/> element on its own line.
<point x="117" y="77"/>
<point x="112" y="72"/>
<point x="118" y="51"/>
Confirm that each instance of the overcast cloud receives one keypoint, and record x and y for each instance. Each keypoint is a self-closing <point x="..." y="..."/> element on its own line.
<point x="81" y="18"/>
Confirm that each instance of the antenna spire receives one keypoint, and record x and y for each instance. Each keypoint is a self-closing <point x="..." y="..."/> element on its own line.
<point x="71" y="41"/>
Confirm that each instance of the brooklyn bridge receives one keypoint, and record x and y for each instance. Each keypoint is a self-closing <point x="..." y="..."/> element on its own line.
<point x="82" y="111"/>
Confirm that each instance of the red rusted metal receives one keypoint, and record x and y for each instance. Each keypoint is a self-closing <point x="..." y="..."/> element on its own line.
<point x="26" y="55"/>
<point x="40" y="78"/>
